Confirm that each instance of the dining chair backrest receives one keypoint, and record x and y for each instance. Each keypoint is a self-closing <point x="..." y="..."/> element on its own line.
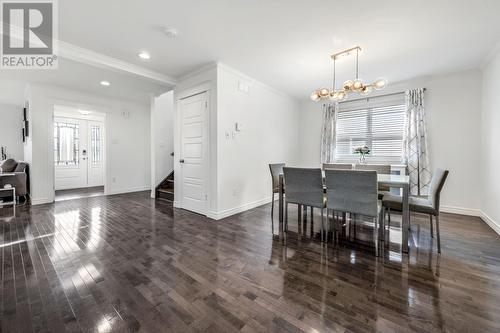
<point x="352" y="191"/>
<point x="384" y="169"/>
<point x="337" y="166"/>
<point x="304" y="186"/>
<point x="380" y="168"/>
<point x="276" y="169"/>
<point x="435" y="187"/>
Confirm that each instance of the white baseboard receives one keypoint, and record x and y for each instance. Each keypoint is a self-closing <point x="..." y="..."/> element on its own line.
<point x="460" y="210"/>
<point x="40" y="201"/>
<point x="489" y="221"/>
<point x="473" y="212"/>
<point x="239" y="209"/>
<point x="128" y="190"/>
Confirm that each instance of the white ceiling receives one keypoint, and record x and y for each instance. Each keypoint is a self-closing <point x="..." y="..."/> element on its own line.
<point x="78" y="76"/>
<point x="284" y="43"/>
<point x="287" y="43"/>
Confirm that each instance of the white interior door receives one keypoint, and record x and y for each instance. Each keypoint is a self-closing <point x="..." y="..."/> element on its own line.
<point x="193" y="155"/>
<point x="70" y="150"/>
<point x="78" y="153"/>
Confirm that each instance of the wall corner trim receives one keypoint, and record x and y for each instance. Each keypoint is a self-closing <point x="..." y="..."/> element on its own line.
<point x="490" y="222"/>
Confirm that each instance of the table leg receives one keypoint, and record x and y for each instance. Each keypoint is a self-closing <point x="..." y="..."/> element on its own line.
<point x="406" y="218"/>
<point x="280" y="200"/>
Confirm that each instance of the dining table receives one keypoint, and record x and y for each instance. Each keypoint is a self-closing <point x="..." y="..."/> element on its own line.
<point x="385" y="180"/>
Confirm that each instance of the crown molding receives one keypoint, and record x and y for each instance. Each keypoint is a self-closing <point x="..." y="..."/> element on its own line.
<point x="85" y="56"/>
<point x="245" y="77"/>
<point x="490" y="55"/>
<point x="199" y="70"/>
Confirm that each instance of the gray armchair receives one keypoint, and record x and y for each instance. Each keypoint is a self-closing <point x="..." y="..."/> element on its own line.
<point x="304" y="187"/>
<point x="20" y="179"/>
<point x="355" y="192"/>
<point x="337" y="166"/>
<point x="381" y="169"/>
<point x="425" y="205"/>
<point x="276" y="169"/>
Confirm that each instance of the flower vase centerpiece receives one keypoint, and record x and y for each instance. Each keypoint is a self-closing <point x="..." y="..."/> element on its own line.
<point x="362" y="152"/>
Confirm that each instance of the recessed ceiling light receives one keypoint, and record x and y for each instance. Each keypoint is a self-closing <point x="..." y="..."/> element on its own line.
<point x="105" y="83"/>
<point x="144" y="55"/>
<point x="171" y="32"/>
<point x="85" y="112"/>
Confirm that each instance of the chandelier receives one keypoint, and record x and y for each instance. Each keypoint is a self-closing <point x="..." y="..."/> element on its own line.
<point x="357" y="85"/>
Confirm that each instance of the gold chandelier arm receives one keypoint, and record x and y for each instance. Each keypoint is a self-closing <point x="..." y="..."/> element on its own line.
<point x="357" y="64"/>
<point x="333" y="83"/>
<point x="345" y="52"/>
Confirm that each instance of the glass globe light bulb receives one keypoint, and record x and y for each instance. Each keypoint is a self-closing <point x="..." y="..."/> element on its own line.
<point x="348" y="85"/>
<point x="357" y="84"/>
<point x="380" y="84"/>
<point x="333" y="95"/>
<point x="324" y="92"/>
<point x="341" y="95"/>
<point x="366" y="90"/>
<point x="315" y="96"/>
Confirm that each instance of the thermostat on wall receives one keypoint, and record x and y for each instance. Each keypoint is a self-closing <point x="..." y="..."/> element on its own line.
<point x="238" y="127"/>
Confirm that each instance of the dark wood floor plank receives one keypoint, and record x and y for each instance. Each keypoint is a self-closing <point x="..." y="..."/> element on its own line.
<point x="127" y="263"/>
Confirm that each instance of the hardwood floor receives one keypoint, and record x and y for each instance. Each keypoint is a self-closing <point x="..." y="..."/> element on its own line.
<point x="127" y="263"/>
<point x="78" y="193"/>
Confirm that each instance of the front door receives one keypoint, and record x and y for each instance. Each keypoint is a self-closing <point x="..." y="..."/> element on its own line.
<point x="194" y="155"/>
<point x="78" y="153"/>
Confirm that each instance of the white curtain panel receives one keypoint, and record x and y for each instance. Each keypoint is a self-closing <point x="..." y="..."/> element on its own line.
<point x="416" y="155"/>
<point x="328" y="135"/>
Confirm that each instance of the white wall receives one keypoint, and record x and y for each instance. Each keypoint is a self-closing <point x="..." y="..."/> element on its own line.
<point x="453" y="110"/>
<point x="490" y="140"/>
<point x="11" y="117"/>
<point x="162" y="137"/>
<point x="127" y="132"/>
<point x="269" y="134"/>
<point x="239" y="168"/>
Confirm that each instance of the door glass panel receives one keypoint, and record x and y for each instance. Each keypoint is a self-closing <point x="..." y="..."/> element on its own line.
<point x="95" y="144"/>
<point x="66" y="143"/>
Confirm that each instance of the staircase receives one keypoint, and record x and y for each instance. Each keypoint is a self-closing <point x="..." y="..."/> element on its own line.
<point x="165" y="191"/>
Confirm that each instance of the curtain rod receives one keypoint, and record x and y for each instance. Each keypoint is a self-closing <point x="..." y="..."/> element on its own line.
<point x="379" y="96"/>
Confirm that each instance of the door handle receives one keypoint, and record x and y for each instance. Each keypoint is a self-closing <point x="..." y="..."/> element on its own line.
<point x="181" y="161"/>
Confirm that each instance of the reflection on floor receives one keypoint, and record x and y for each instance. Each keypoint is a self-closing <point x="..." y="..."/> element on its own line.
<point x="79" y="193"/>
<point x="126" y="263"/>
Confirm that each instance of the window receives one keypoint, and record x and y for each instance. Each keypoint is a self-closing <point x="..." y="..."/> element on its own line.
<point x="66" y="144"/>
<point x="377" y="124"/>
<point x="95" y="144"/>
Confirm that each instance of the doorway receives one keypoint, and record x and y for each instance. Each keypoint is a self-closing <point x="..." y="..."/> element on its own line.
<point x="79" y="153"/>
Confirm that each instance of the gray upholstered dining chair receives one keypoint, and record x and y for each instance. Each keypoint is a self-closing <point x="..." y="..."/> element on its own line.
<point x="276" y="169"/>
<point x="383" y="169"/>
<point x="426" y="205"/>
<point x="354" y="192"/>
<point x="337" y="166"/>
<point x="304" y="187"/>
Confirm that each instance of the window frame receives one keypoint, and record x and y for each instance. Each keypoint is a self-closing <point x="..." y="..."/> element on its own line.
<point x="370" y="107"/>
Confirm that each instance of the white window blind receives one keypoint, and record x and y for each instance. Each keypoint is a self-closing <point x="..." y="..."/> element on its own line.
<point x="377" y="123"/>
